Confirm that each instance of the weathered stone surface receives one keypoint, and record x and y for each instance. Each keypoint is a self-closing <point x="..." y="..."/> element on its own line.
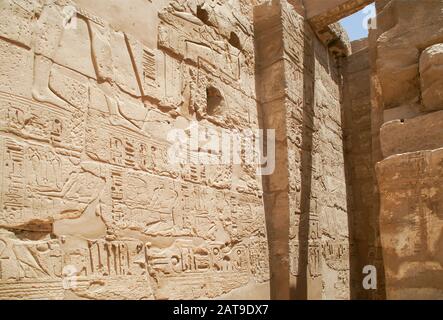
<point x="363" y="226"/>
<point x="361" y="44"/>
<point x="405" y="32"/>
<point x="114" y="180"/>
<point x="16" y="22"/>
<point x="412" y="225"/>
<point x="90" y="204"/>
<point x="431" y="73"/>
<point x="406" y="102"/>
<point x="335" y="37"/>
<point x="415" y="134"/>
<point x="305" y="197"/>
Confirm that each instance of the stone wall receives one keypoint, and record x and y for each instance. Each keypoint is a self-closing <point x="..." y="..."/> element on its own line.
<point x="90" y="205"/>
<point x="407" y="105"/>
<point x="305" y="198"/>
<point x="115" y="180"/>
<point x="363" y="198"/>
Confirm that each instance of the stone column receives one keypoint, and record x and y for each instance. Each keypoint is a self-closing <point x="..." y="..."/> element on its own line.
<point x="305" y="199"/>
<point x="408" y="102"/>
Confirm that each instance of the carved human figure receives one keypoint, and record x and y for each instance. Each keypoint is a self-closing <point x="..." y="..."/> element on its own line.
<point x="76" y="49"/>
<point x="49" y="31"/>
<point x="81" y="202"/>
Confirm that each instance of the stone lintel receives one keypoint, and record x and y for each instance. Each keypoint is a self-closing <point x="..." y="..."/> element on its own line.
<point x="322" y="13"/>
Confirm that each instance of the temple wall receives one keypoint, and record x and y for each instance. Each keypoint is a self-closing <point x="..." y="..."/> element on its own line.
<point x="305" y="198"/>
<point x="406" y="90"/>
<point x="90" y="204"/>
<point x="363" y="198"/>
<point x="131" y="164"/>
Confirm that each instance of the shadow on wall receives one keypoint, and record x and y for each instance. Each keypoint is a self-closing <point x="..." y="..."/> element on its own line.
<point x="363" y="198"/>
<point x="272" y="111"/>
<point x="270" y="94"/>
<point x="301" y="291"/>
<point x="271" y="88"/>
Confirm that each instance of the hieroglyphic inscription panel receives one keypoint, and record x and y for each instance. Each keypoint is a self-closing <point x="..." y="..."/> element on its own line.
<point x="91" y="205"/>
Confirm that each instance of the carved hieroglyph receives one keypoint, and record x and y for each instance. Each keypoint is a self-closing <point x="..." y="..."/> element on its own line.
<point x="306" y="195"/>
<point x="90" y="206"/>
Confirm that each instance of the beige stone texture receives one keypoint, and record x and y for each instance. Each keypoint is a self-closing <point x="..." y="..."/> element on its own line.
<point x="423" y="132"/>
<point x="95" y="97"/>
<point x="406" y="90"/>
<point x="90" y="205"/>
<point x="305" y="198"/>
<point x="411" y="224"/>
<point x="405" y="32"/>
<point x="431" y="77"/>
<point x="363" y="223"/>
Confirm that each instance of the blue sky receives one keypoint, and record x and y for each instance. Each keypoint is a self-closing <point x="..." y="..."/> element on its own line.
<point x="354" y="23"/>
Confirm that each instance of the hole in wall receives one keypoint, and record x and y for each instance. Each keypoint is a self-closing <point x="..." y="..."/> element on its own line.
<point x="234" y="41"/>
<point x="203" y="15"/>
<point x="214" y="101"/>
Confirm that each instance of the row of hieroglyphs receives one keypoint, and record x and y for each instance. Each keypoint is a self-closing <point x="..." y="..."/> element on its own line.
<point x="317" y="187"/>
<point x="65" y="132"/>
<point x="121" y="261"/>
<point x="83" y="100"/>
<point x="38" y="184"/>
<point x="183" y="262"/>
<point x="84" y="171"/>
<point x="64" y="129"/>
<point x="41" y="261"/>
<point x="112" y="68"/>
